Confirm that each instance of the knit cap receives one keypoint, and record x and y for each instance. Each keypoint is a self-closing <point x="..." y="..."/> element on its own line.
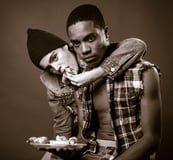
<point x="40" y="43"/>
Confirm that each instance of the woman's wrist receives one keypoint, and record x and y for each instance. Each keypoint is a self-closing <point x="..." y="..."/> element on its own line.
<point x="99" y="73"/>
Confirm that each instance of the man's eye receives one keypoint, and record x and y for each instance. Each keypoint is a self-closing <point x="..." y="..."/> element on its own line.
<point x="76" y="44"/>
<point x="91" y="38"/>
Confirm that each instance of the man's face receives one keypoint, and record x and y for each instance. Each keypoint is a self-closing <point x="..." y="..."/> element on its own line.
<point x="58" y="58"/>
<point x="89" y="42"/>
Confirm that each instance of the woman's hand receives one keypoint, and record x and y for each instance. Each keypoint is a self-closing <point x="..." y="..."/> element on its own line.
<point x="87" y="77"/>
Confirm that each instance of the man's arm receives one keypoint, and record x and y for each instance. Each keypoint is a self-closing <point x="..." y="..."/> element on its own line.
<point x="151" y="119"/>
<point x="128" y="52"/>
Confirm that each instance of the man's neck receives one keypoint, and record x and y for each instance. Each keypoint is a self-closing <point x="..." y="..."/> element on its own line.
<point x="110" y="49"/>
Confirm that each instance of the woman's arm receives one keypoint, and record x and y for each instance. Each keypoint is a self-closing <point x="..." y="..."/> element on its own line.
<point x="63" y="119"/>
<point x="128" y="52"/>
<point x="60" y="99"/>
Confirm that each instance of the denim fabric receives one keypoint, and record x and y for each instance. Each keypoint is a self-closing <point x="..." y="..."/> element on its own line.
<point x="61" y="100"/>
<point x="126" y="52"/>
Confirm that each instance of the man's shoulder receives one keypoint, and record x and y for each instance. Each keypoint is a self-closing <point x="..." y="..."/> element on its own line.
<point x="142" y="63"/>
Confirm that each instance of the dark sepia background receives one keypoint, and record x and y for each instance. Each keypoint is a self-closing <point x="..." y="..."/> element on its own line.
<point x="23" y="101"/>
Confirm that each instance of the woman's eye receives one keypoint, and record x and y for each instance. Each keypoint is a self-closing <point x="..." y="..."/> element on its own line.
<point x="54" y="57"/>
<point x="49" y="69"/>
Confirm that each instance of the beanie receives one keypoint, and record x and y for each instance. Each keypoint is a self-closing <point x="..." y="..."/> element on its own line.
<point x="40" y="43"/>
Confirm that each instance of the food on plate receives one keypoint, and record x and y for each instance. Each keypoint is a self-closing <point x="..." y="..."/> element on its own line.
<point x="61" y="138"/>
<point x="58" y="140"/>
<point x="72" y="140"/>
<point x="39" y="140"/>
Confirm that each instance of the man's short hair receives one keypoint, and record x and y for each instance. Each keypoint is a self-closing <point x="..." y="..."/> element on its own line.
<point x="84" y="13"/>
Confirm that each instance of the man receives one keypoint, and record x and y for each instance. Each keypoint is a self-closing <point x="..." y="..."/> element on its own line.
<point x="52" y="55"/>
<point x="122" y="115"/>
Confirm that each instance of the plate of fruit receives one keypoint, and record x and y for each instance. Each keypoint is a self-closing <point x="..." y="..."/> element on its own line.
<point x="58" y="143"/>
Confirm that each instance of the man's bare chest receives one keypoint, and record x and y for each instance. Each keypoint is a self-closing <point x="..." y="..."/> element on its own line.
<point x="100" y="96"/>
<point x="102" y="108"/>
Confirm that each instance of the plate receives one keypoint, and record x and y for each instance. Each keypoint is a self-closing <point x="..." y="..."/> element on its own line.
<point x="56" y="144"/>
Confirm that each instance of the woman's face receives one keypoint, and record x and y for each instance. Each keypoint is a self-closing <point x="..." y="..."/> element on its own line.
<point x="58" y="59"/>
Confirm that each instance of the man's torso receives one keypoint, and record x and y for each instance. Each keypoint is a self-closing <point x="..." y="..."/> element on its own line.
<point x="102" y="108"/>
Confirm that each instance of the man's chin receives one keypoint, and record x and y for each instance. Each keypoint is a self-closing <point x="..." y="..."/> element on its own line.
<point x="92" y="65"/>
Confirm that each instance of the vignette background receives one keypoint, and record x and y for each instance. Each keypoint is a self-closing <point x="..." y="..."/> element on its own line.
<point x="24" y="108"/>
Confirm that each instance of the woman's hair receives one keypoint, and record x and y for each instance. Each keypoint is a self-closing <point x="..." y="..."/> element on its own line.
<point x="40" y="43"/>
